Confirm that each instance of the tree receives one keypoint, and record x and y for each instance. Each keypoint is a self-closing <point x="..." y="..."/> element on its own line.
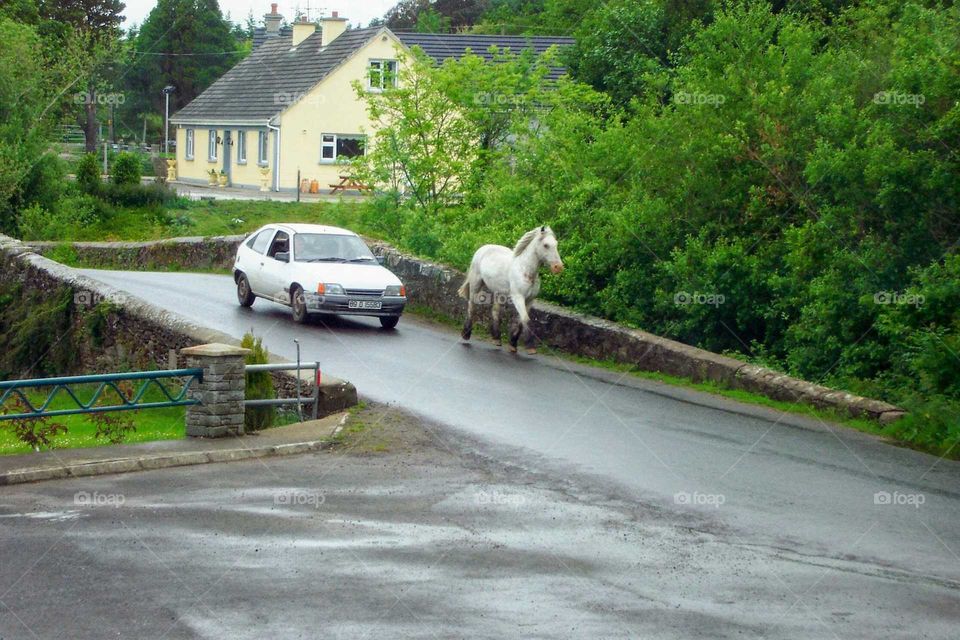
<point x="98" y="23"/>
<point x="184" y="43"/>
<point x="34" y="82"/>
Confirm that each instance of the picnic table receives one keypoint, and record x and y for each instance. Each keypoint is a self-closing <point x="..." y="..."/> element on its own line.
<point x="349" y="183"/>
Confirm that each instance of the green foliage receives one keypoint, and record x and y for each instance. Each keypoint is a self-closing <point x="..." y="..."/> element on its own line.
<point x="88" y="173"/>
<point x="259" y="386"/>
<point x="126" y="170"/>
<point x="33" y="432"/>
<point x="778" y="183"/>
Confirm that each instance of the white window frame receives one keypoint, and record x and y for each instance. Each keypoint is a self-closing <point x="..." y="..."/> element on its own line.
<point x="263" y="151"/>
<point x="378" y="64"/>
<point x="241" y="147"/>
<point x="330" y="140"/>
<point x="212" y="145"/>
<point x="189" y="146"/>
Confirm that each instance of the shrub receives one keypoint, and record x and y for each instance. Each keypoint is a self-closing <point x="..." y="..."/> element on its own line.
<point x="127" y="169"/>
<point x="259" y="386"/>
<point x="88" y="173"/>
<point x="138" y="195"/>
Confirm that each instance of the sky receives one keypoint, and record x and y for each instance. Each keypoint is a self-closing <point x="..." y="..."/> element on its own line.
<point x="358" y="12"/>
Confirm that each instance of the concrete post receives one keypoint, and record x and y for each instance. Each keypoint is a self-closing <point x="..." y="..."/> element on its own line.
<point x="221" y="392"/>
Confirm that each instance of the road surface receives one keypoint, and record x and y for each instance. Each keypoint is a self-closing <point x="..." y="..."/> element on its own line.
<point x="819" y="493"/>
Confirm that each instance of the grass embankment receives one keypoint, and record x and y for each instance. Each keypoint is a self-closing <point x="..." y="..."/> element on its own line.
<point x="148" y="424"/>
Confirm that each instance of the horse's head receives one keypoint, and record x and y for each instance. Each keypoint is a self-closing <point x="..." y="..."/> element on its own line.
<point x="546" y="248"/>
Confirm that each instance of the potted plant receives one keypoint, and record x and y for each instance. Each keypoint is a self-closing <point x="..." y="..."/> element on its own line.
<point x="213" y="177"/>
<point x="223" y="178"/>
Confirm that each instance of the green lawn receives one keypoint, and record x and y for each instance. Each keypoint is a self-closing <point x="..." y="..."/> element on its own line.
<point x="151" y="424"/>
<point x="214" y="218"/>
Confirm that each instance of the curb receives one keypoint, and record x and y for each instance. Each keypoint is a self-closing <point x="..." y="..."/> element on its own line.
<point x="149" y="463"/>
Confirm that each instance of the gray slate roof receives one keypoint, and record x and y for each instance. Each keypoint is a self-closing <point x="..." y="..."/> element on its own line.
<point x="441" y="46"/>
<point x="268" y="80"/>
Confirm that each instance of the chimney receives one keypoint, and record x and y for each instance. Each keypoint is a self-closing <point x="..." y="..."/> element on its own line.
<point x="302" y="30"/>
<point x="272" y="22"/>
<point x="331" y="28"/>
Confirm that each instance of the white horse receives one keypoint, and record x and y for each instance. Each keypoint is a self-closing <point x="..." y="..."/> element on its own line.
<point x="497" y="273"/>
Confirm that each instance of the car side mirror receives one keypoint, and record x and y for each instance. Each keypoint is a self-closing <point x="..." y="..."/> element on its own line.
<point x="282" y="256"/>
<point x="381" y="259"/>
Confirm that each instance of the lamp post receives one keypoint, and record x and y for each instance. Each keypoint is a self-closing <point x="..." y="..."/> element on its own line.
<point x="167" y="90"/>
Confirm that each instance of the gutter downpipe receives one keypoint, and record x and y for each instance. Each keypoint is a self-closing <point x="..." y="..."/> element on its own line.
<point x="276" y="163"/>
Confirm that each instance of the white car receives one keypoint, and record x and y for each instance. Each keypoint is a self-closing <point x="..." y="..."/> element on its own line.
<point x="317" y="269"/>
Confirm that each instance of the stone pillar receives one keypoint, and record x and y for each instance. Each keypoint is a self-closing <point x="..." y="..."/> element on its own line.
<point x="221" y="392"/>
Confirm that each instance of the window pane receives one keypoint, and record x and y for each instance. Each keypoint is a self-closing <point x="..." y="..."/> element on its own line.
<point x="349" y="147"/>
<point x="260" y="243"/>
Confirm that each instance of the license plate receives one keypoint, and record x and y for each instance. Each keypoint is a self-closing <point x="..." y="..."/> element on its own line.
<point x="364" y="304"/>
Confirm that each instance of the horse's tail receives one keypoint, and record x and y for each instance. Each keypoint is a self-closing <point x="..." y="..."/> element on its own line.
<point x="464" y="290"/>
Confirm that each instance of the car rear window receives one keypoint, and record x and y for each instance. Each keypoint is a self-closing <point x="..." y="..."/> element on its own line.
<point x="260" y="241"/>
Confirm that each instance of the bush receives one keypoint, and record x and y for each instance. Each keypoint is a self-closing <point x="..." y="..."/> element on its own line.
<point x="138" y="195"/>
<point x="259" y="386"/>
<point x="71" y="215"/>
<point x="88" y="173"/>
<point x="127" y="169"/>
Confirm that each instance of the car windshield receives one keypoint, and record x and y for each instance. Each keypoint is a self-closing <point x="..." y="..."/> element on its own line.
<point x="325" y="247"/>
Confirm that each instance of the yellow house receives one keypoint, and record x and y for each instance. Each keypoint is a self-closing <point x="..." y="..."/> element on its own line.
<point x="290" y="108"/>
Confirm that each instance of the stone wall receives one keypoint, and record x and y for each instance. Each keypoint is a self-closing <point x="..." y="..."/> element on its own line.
<point x="133" y="332"/>
<point x="434" y="286"/>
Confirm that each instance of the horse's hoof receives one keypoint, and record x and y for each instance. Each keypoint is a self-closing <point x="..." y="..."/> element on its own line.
<point x="532" y="351"/>
<point x="513" y="349"/>
<point x="466" y="334"/>
<point x="497" y="343"/>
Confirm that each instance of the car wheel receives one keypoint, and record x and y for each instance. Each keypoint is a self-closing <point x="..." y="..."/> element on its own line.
<point x="389" y="322"/>
<point x="244" y="295"/>
<point x="299" y="305"/>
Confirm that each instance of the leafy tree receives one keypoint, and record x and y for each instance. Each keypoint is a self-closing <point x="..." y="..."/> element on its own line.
<point x="97" y="22"/>
<point x="184" y="43"/>
<point x="126" y="169"/>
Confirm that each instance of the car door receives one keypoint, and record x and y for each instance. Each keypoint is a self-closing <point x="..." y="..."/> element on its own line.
<point x="255" y="259"/>
<point x="276" y="273"/>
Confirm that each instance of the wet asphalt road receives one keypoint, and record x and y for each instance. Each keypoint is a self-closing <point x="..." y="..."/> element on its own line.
<point x="805" y="489"/>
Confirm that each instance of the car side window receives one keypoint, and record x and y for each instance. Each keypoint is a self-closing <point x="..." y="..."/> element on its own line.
<point x="280" y="243"/>
<point x="259" y="242"/>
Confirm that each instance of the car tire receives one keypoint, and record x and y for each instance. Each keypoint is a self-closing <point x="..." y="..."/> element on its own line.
<point x="298" y="304"/>
<point x="244" y="294"/>
<point x="389" y="322"/>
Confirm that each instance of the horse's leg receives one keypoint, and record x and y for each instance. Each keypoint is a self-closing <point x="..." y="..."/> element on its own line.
<point x="531" y="339"/>
<point x="468" y="322"/>
<point x="495" y="324"/>
<point x="520" y="303"/>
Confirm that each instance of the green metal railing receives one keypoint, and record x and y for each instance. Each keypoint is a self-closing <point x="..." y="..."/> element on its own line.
<point x="148" y="379"/>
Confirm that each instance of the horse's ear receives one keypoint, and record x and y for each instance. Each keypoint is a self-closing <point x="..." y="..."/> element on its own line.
<point x="543" y="229"/>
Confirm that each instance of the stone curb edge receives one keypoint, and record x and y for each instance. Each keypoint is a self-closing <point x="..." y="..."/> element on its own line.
<point x="148" y="463"/>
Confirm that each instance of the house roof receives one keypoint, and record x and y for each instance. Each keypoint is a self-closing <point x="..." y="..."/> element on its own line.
<point x="441" y="46"/>
<point x="275" y="74"/>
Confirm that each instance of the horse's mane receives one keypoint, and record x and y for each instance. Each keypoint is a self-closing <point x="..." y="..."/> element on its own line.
<point x="528" y="237"/>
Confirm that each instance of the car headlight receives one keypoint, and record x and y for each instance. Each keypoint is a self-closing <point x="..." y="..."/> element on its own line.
<point x="395" y="290"/>
<point x="325" y="288"/>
